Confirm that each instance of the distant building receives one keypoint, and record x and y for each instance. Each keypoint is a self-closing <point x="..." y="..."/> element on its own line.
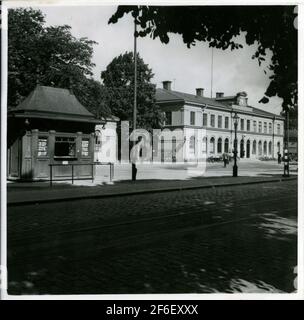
<point x="51" y="127"/>
<point x="106" y="140"/>
<point x="259" y="133"/>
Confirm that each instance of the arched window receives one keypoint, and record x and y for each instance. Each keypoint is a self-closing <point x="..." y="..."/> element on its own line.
<point x="192" y="144"/>
<point x="260" y="148"/>
<point x="162" y="149"/>
<point x="265" y="148"/>
<point x="270" y="148"/>
<point x="173" y="149"/>
<point x="226" y="148"/>
<point x="254" y="147"/>
<point x="219" y="145"/>
<point x="204" y="148"/>
<point x="97" y="140"/>
<point x="248" y="149"/>
<point x="212" y="145"/>
<point x="279" y="147"/>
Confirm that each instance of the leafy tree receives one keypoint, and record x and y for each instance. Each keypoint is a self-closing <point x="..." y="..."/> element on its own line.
<point x="118" y="80"/>
<point x="271" y="27"/>
<point x="47" y="55"/>
<point x="92" y="95"/>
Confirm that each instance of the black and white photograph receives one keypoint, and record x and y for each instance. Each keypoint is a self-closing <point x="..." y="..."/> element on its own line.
<point x="151" y="149"/>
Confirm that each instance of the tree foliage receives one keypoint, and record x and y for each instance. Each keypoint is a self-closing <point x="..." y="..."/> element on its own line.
<point x="50" y="56"/>
<point x="271" y="27"/>
<point x="118" y="80"/>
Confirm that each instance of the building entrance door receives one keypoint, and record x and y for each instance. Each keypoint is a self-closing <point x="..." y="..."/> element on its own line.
<point x="162" y="150"/>
<point x="15" y="159"/>
<point x="242" y="151"/>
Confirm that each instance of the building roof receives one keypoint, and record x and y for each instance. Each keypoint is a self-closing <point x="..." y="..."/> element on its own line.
<point x="54" y="103"/>
<point x="166" y="96"/>
<point x="163" y="95"/>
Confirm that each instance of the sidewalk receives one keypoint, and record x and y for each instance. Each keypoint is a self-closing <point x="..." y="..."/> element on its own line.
<point x="41" y="192"/>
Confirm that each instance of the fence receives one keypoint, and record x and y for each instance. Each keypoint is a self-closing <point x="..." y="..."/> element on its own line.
<point x="110" y="164"/>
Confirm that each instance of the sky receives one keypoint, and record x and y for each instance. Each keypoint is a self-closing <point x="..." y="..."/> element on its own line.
<point x="233" y="71"/>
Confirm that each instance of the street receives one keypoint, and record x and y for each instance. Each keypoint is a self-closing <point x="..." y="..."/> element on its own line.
<point x="226" y="239"/>
<point x="173" y="171"/>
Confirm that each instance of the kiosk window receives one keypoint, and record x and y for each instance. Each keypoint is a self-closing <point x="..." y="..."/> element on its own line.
<point x="85" y="147"/>
<point x="65" y="147"/>
<point x="42" y="146"/>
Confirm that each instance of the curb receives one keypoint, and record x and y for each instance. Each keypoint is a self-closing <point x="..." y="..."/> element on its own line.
<point x="140" y="192"/>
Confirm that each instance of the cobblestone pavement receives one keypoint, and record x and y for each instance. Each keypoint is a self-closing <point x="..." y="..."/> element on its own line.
<point x="240" y="239"/>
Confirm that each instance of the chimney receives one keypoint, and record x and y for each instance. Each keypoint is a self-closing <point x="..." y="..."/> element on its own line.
<point x="200" y="92"/>
<point x="219" y="94"/>
<point x="167" y="85"/>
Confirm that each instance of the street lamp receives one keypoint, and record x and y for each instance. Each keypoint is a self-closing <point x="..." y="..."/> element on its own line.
<point x="235" y="121"/>
<point x="134" y="169"/>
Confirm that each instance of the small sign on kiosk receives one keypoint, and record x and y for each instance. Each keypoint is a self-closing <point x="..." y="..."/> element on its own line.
<point x="65" y="162"/>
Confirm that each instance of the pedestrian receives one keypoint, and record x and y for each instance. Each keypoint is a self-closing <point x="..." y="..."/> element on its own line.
<point x="225" y="159"/>
<point x="279" y="158"/>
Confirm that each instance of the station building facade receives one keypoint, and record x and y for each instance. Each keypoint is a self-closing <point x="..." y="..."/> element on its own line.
<point x="259" y="133"/>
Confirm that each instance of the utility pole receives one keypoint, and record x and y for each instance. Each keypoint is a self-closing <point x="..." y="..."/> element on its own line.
<point x="134" y="169"/>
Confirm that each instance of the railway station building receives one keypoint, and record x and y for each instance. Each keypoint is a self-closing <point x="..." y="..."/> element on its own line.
<point x="259" y="133"/>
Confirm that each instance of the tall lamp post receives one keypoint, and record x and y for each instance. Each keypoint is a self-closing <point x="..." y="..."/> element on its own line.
<point x="134" y="169"/>
<point x="286" y="149"/>
<point x="235" y="121"/>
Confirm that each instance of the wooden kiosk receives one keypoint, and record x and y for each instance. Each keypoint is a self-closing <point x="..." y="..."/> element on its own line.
<point x="50" y="127"/>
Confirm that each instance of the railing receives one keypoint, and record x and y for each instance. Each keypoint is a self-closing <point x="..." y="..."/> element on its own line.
<point x="110" y="164"/>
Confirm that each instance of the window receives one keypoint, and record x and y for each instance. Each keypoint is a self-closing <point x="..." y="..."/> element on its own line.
<point x="219" y="121"/>
<point x="226" y="122"/>
<point x="192" y="118"/>
<point x="205" y="119"/>
<point x="226" y="146"/>
<point x="192" y="144"/>
<point x="269" y="148"/>
<point x="270" y="128"/>
<point x="265" y="127"/>
<point x="278" y="129"/>
<point x="265" y="148"/>
<point x="242" y="124"/>
<point x="254" y="126"/>
<point x="254" y="147"/>
<point x="65" y="147"/>
<point x="260" y="127"/>
<point x="212" y="145"/>
<point x="168" y="115"/>
<point x="248" y="125"/>
<point x="97" y="140"/>
<point x="85" y="147"/>
<point x="212" y="123"/>
<point x="260" y="148"/>
<point x="279" y="147"/>
<point x="42" y="146"/>
<point x="219" y="145"/>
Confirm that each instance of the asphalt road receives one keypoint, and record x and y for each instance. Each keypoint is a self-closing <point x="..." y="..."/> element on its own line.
<point x="240" y="239"/>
